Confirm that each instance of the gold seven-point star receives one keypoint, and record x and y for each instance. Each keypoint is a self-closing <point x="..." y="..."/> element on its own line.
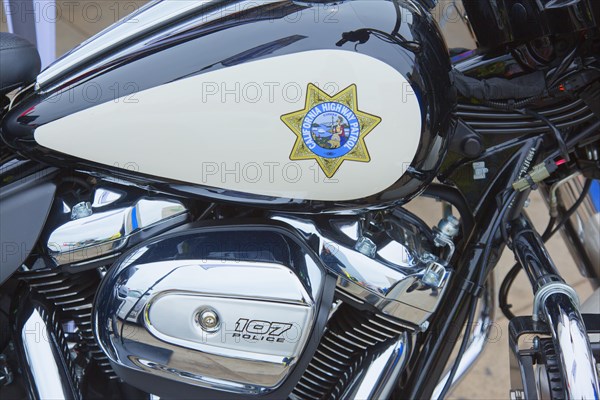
<point x="330" y="129"/>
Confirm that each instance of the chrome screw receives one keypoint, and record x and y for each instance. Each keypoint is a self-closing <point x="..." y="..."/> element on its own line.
<point x="366" y="246"/>
<point x="208" y="319"/>
<point x="434" y="275"/>
<point x="81" y="210"/>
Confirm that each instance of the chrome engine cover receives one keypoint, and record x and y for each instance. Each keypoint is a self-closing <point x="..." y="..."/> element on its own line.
<point x="394" y="279"/>
<point x="224" y="308"/>
<point x="114" y="221"/>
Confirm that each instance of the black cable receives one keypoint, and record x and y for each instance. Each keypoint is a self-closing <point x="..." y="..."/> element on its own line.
<point x="502" y="222"/>
<point x="562" y="67"/>
<point x="586" y="188"/>
<point x="396" y="30"/>
<point x="207" y="211"/>
<point x="551" y="81"/>
<point x="548" y="229"/>
<point x="574" y="141"/>
<point x="490" y="151"/>
<point x="409" y="45"/>
<point x="498" y="225"/>
<point x="557" y="133"/>
<point x="507" y="283"/>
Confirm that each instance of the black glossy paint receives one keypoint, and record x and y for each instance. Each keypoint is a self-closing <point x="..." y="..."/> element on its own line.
<point x="257" y="30"/>
<point x="532" y="254"/>
<point x="24" y="208"/>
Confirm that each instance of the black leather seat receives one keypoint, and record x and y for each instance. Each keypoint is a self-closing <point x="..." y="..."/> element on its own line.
<point x="19" y="62"/>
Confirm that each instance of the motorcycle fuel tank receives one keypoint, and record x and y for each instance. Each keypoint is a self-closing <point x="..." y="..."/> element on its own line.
<point x="295" y="105"/>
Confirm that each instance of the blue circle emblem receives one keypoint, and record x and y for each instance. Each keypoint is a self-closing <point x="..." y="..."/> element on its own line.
<point x="330" y="130"/>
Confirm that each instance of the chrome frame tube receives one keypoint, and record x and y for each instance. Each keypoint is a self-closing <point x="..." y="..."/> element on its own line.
<point x="478" y="340"/>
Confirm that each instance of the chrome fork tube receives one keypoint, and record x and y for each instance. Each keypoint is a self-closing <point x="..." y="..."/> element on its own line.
<point x="575" y="354"/>
<point x="41" y="351"/>
<point x="557" y="304"/>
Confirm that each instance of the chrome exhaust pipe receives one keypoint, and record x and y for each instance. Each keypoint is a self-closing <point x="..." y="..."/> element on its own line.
<point x="42" y="352"/>
<point x="378" y="380"/>
<point x="582" y="230"/>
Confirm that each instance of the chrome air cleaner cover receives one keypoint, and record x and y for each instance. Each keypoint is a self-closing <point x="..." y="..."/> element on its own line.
<point x="221" y="308"/>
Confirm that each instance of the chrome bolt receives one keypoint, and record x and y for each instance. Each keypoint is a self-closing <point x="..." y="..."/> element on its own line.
<point x="81" y="210"/>
<point x="430" y="278"/>
<point x="527" y="203"/>
<point x="434" y="275"/>
<point x="449" y="226"/>
<point x="208" y="319"/>
<point x="536" y="343"/>
<point x="366" y="246"/>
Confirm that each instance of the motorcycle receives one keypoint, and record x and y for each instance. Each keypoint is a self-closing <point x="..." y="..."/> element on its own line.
<point x="208" y="200"/>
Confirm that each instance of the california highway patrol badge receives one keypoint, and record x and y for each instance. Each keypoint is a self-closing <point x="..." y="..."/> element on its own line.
<point x="330" y="129"/>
